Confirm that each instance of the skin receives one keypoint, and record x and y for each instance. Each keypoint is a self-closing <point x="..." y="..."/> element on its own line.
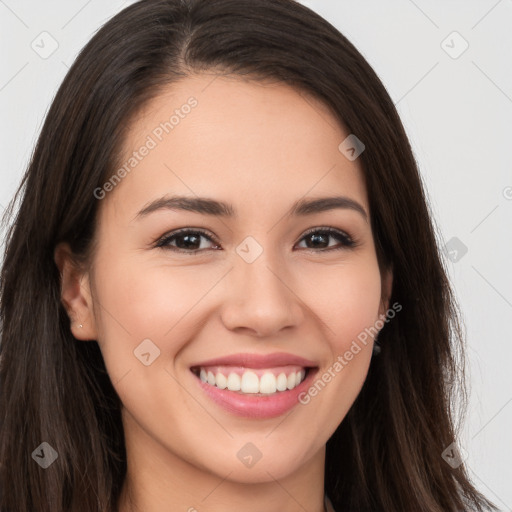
<point x="259" y="147"/>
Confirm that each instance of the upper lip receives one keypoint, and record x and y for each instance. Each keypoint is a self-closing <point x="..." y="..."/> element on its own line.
<point x="248" y="360"/>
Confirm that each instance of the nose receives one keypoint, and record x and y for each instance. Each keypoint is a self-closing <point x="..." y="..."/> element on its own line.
<point x="261" y="300"/>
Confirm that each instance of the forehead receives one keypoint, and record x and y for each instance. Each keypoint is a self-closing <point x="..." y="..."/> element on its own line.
<point x="248" y="142"/>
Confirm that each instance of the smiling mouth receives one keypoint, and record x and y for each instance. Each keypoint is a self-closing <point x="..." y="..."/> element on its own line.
<point x="252" y="381"/>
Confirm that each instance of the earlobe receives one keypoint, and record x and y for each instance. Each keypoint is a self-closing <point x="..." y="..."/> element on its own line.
<point x="75" y="294"/>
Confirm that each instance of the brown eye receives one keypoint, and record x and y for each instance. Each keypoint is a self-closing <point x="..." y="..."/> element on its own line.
<point x="319" y="239"/>
<point x="190" y="241"/>
<point x="185" y="240"/>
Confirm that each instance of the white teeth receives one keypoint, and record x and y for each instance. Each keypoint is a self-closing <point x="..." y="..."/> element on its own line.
<point x="250" y="383"/>
<point x="281" y="382"/>
<point x="290" y="384"/>
<point x="268" y="383"/>
<point x="221" y="381"/>
<point x="234" y="382"/>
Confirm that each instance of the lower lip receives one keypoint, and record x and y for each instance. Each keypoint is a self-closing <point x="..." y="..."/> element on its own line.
<point x="257" y="406"/>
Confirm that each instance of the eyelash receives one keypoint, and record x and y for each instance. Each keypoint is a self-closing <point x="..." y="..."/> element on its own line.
<point x="346" y="241"/>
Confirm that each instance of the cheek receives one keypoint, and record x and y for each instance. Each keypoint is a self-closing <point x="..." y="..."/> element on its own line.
<point x="148" y="309"/>
<point x="345" y="298"/>
<point x="147" y="300"/>
<point x="347" y="302"/>
<point x="139" y="300"/>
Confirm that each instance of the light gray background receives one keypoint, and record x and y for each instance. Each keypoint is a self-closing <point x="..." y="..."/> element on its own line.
<point x="457" y="112"/>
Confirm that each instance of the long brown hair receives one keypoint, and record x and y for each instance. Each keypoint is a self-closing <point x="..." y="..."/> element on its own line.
<point x="387" y="452"/>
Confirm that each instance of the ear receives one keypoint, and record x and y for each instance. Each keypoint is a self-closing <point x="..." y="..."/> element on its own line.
<point x="387" y="287"/>
<point x="75" y="294"/>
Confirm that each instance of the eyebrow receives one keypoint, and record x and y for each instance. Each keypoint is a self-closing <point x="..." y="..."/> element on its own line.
<point x="207" y="206"/>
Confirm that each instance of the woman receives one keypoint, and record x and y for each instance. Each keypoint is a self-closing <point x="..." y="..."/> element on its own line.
<point x="179" y="331"/>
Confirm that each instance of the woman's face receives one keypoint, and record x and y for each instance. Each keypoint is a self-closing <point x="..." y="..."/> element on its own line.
<point x="255" y="282"/>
